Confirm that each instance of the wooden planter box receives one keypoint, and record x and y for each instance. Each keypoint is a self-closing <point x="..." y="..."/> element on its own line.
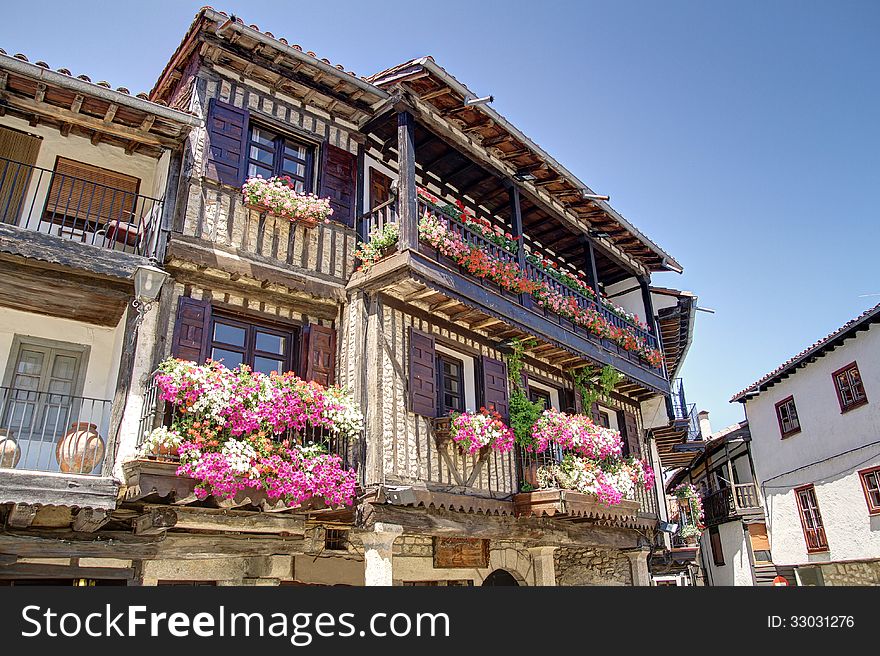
<point x="566" y="504"/>
<point x="307" y="223"/>
<point x="441" y="428"/>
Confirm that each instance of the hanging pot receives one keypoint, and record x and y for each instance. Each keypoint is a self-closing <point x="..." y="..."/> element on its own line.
<point x="10" y="452"/>
<point x="80" y="449"/>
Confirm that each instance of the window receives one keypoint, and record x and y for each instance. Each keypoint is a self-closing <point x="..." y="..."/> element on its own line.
<point x="261" y="347"/>
<point x="450" y="383"/>
<point x="787" y="416"/>
<point x="439" y="584"/>
<point x="811" y="519"/>
<point x="272" y="154"/>
<point x="45" y="380"/>
<point x="715" y="541"/>
<point x="84" y="198"/>
<point x="848" y="384"/>
<point x="336" y="539"/>
<point x="540" y="396"/>
<point x="871" y="486"/>
<point x="604" y="419"/>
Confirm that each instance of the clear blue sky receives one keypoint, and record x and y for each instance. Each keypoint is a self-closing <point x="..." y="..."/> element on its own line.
<point x="743" y="137"/>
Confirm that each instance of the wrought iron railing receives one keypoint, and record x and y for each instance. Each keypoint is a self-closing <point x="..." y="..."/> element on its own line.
<point x="52" y="202"/>
<point x="729" y="502"/>
<point x="49" y="432"/>
<point x="682" y="412"/>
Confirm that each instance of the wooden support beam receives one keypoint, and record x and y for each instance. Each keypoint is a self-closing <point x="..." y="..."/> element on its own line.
<point x="148" y="123"/>
<point x="76" y="104"/>
<point x="425" y="293"/>
<point x="406" y="199"/>
<point x="110" y="113"/>
<point x="65" y="129"/>
<point x="436" y="94"/>
<point x="234" y="521"/>
<point x="89" y="520"/>
<point x="4" y="78"/>
<point x="444" y="305"/>
<point x="494" y="141"/>
<point x="155" y="521"/>
<point x="96" y="138"/>
<point x="484" y="323"/>
<point x="21" y="515"/>
<point x="40" y="93"/>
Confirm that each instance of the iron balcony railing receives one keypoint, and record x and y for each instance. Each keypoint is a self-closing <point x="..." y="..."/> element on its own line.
<point x="529" y="464"/>
<point x="683" y="413"/>
<point x="727" y="502"/>
<point x="352" y="451"/>
<point x="50" y="432"/>
<point x="387" y="213"/>
<point x="42" y="200"/>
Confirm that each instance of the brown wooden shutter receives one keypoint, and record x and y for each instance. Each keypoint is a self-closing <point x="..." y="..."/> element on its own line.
<point x="594" y="413"/>
<point x="318" y="354"/>
<point x="495" y="394"/>
<point x="629" y="429"/>
<point x="422" y="373"/>
<point x="578" y="401"/>
<point x="192" y="332"/>
<point x="84" y="191"/>
<point x="338" y="169"/>
<point x="226" y="159"/>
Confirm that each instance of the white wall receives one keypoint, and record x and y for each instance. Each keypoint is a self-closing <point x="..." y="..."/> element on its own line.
<point x="631" y="301"/>
<point x="817" y="452"/>
<point x="736" y="550"/>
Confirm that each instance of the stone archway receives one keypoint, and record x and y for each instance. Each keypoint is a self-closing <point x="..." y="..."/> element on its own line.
<point x="500" y="577"/>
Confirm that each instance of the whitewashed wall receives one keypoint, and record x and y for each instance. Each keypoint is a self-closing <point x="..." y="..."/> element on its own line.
<point x="737" y="567"/>
<point x="816" y="452"/>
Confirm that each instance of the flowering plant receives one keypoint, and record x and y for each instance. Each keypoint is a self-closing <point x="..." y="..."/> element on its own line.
<point x="161" y="440"/>
<point x="279" y="196"/>
<point x="473" y="431"/>
<point x="377" y="246"/>
<point x="483" y="227"/>
<point x="241" y="429"/>
<point x="688" y="493"/>
<point x="576" y="433"/>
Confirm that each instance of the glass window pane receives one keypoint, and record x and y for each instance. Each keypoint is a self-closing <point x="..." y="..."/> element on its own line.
<point x="294" y="168"/>
<point x="262" y="156"/>
<point x="230" y="359"/>
<point x="64" y="367"/>
<point x="263" y="137"/>
<point x="295" y="150"/>
<point x="30" y="362"/>
<point x="254" y="171"/>
<point x="268" y="365"/>
<point x="227" y="334"/>
<point x="270" y="343"/>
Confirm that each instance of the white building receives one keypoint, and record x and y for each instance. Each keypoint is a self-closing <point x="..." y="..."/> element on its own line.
<point x="815" y="425"/>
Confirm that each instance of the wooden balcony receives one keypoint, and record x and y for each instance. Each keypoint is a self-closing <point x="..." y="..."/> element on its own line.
<point x="436" y="281"/>
<point x="739" y="502"/>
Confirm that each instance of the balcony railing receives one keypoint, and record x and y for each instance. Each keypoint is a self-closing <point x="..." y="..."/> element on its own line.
<point x="77" y="209"/>
<point x="528" y="464"/>
<point x="352" y="451"/>
<point x="48" y="432"/>
<point x="683" y="413"/>
<point x="728" y="503"/>
<point x="387" y="213"/>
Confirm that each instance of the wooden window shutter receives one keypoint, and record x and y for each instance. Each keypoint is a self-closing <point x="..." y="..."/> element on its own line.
<point x="192" y="332"/>
<point x="338" y="174"/>
<point x="318" y="354"/>
<point x="90" y="192"/>
<point x="495" y="394"/>
<point x="594" y="413"/>
<point x="578" y="401"/>
<point x="422" y="373"/>
<point x="226" y="159"/>
<point x="630" y="432"/>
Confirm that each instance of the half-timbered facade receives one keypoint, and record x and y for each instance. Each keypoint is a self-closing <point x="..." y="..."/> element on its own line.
<point x="414" y="335"/>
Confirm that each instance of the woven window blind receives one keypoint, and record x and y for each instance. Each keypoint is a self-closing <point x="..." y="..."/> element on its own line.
<point x="87" y="192"/>
<point x="18" y="151"/>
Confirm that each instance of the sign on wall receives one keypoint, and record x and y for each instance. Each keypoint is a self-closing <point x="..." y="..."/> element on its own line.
<point x="461" y="552"/>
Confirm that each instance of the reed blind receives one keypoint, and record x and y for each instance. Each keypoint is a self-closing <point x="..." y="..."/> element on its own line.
<point x="88" y="192"/>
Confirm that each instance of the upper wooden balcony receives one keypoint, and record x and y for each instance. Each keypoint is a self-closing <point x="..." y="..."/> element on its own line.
<point x="741" y="501"/>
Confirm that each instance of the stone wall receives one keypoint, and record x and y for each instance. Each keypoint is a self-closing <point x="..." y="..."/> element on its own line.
<point x="852" y="573"/>
<point x="591" y="566"/>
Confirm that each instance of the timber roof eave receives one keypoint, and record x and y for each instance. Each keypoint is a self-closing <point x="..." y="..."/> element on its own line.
<point x="805" y="357"/>
<point x="404" y="71"/>
<point x="184" y="120"/>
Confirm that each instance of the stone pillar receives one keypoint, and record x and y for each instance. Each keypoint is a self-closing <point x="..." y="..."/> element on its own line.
<point x="638" y="562"/>
<point x="544" y="565"/>
<point x="378" y="546"/>
<point x="141" y="368"/>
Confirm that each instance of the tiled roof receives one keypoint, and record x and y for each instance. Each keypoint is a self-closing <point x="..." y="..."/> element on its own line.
<point x="814" y="350"/>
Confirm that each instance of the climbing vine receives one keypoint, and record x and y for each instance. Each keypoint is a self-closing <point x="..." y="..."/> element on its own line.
<point x="591" y="392"/>
<point x="523" y="412"/>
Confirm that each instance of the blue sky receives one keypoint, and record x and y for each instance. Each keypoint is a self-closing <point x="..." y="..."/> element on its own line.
<point x="743" y="137"/>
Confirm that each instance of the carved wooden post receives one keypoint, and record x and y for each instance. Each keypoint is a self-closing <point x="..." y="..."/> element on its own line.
<point x="590" y="257"/>
<point x="406" y="198"/>
<point x="517" y="226"/>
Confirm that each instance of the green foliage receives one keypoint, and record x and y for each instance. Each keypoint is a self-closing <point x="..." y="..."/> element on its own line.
<point x="591" y="392"/>
<point x="523" y="413"/>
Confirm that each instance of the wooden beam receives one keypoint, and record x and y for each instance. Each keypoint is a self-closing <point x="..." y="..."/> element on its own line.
<point x="21" y="515"/>
<point x="484" y="323"/>
<point x="41" y="571"/>
<point x="435" y="94"/>
<point x="40" y="93"/>
<point x="148" y="123"/>
<point x="407" y="210"/>
<point x="89" y="520"/>
<point x="494" y="141"/>
<point x="110" y="113"/>
<point x="155" y="521"/>
<point x="76" y="104"/>
<point x="67" y="116"/>
<point x="445" y="304"/>
<point x="237" y="521"/>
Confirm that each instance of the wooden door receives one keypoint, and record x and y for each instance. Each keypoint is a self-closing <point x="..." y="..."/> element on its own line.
<point x="380" y="188"/>
<point x="758" y="537"/>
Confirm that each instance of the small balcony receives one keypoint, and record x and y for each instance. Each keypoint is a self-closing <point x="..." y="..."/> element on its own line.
<point x="55" y="449"/>
<point x="740" y="501"/>
<point x="55" y="203"/>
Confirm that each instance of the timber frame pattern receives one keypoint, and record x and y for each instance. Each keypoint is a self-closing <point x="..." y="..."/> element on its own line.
<point x="369" y="331"/>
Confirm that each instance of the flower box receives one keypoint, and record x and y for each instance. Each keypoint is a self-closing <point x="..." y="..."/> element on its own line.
<point x="305" y="222"/>
<point x="442" y="428"/>
<point x="567" y="504"/>
<point x="278" y="196"/>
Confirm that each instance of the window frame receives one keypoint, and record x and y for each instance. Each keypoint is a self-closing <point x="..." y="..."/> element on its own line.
<point x="857" y="403"/>
<point x="280" y="139"/>
<point x="717" y="548"/>
<point x="536" y="393"/>
<point x="249" y="351"/>
<point x="442" y="410"/>
<point x="820" y="529"/>
<point x="873" y="509"/>
<point x="791" y="431"/>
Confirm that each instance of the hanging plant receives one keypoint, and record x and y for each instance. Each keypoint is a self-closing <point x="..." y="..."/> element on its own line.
<point x="591" y="391"/>
<point x="280" y="197"/>
<point x="475" y="431"/>
<point x="379" y="244"/>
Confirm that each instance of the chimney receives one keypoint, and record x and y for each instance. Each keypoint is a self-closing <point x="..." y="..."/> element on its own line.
<point x="705" y="426"/>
